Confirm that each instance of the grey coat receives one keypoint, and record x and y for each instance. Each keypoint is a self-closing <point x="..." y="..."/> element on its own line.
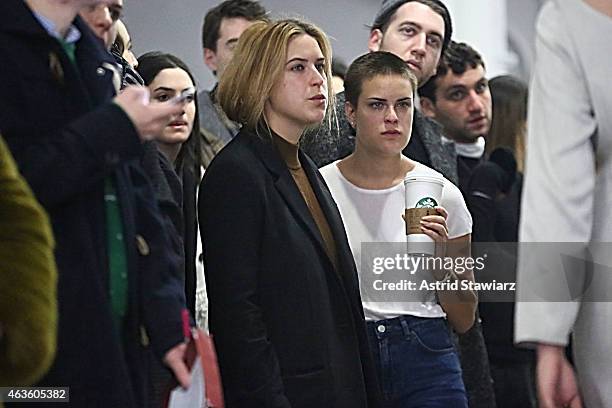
<point x="216" y="129"/>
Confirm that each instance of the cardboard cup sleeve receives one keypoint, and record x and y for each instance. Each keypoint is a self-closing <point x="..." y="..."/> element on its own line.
<point x="413" y="218"/>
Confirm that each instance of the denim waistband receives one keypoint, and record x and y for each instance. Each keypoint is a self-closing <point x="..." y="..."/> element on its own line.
<point x="401" y="325"/>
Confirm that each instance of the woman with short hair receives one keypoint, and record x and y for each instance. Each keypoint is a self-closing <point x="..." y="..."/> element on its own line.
<point x="409" y="331"/>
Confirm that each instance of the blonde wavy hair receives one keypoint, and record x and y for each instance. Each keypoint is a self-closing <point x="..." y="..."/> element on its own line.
<point x="258" y="63"/>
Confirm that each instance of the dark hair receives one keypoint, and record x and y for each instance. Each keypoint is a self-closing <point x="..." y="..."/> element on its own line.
<point x="389" y="8"/>
<point x="149" y="65"/>
<point x="458" y="57"/>
<point x="338" y="67"/>
<point x="119" y="44"/>
<point x="247" y="9"/>
<point x="509" y="96"/>
<point x="370" y="65"/>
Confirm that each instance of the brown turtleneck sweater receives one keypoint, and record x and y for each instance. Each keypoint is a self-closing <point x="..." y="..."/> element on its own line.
<point x="289" y="153"/>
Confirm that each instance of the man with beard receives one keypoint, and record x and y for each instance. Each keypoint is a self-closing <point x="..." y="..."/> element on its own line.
<point x="458" y="98"/>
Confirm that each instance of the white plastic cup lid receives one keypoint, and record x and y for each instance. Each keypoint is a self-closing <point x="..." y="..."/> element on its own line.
<point x="423" y="178"/>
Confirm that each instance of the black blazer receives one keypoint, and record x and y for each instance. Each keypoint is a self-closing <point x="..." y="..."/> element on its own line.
<point x="288" y="327"/>
<point x="67" y="140"/>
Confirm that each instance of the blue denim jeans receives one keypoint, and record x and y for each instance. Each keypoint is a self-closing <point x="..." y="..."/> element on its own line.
<point x="417" y="363"/>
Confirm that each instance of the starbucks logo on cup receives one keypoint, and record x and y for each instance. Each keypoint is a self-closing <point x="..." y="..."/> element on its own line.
<point x="426" y="202"/>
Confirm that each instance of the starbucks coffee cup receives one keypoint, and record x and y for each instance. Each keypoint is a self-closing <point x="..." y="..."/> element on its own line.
<point x="423" y="193"/>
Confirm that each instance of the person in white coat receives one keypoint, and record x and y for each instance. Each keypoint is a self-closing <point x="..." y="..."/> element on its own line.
<point x="567" y="199"/>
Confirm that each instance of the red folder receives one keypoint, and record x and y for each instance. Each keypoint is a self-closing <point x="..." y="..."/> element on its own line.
<point x="201" y="346"/>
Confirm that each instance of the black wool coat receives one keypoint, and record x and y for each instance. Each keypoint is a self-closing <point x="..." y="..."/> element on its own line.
<point x="67" y="140"/>
<point x="288" y="327"/>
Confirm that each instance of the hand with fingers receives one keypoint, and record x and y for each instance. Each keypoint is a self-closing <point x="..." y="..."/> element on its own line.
<point x="149" y="119"/>
<point x="434" y="226"/>
<point x="175" y="360"/>
<point x="556" y="379"/>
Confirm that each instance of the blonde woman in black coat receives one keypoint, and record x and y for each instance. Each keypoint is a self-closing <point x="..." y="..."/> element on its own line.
<point x="284" y="302"/>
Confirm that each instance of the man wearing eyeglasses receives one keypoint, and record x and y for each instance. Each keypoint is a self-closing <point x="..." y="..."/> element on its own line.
<point x="101" y="18"/>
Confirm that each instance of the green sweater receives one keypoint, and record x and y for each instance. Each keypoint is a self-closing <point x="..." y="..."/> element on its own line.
<point x="28" y="279"/>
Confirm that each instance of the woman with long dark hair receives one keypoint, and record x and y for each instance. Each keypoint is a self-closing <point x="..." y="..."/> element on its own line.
<point x="173" y="167"/>
<point x="175" y="153"/>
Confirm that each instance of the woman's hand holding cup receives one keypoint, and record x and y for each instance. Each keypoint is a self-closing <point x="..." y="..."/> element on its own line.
<point x="434" y="226"/>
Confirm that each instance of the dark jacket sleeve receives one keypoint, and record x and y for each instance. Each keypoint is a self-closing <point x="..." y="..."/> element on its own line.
<point x="161" y="284"/>
<point x="231" y="214"/>
<point x="483" y="216"/>
<point x="487" y="182"/>
<point x="77" y="156"/>
<point x="482" y="201"/>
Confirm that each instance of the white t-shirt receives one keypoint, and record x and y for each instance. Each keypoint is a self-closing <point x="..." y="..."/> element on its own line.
<point x="376" y="216"/>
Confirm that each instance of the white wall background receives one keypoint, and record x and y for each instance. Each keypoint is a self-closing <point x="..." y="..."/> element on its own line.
<point x="175" y="25"/>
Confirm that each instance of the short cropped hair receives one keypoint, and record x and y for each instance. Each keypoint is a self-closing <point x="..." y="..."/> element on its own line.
<point x="371" y="65"/>
<point x="389" y="7"/>
<point x="258" y="63"/>
<point x="248" y="9"/>
<point x="459" y="57"/>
